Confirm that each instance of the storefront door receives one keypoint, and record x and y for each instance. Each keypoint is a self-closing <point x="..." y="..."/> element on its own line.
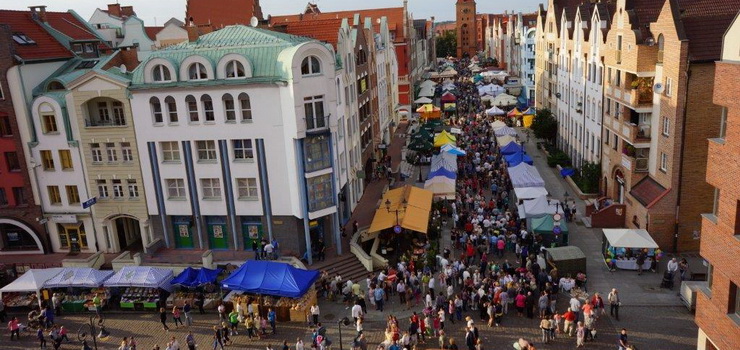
<point x="183" y="233"/>
<point x="217" y="233"/>
<point x="252" y="232"/>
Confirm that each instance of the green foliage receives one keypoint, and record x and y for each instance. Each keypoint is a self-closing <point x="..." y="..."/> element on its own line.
<point x="587" y="178"/>
<point x="545" y="126"/>
<point x="447" y="44"/>
<point x="558" y="158"/>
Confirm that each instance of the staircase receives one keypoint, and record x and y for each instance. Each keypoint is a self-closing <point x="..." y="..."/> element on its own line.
<point x="346" y="266"/>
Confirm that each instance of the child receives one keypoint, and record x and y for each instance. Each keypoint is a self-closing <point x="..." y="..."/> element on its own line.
<point x="556" y="319"/>
<point x="580" y="335"/>
<point x="437" y="325"/>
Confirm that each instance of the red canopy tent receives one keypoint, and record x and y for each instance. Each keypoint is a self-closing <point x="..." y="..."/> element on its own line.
<point x="448" y="97"/>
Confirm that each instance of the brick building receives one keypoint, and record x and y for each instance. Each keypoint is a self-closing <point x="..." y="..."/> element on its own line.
<point x="221" y="13"/>
<point x="718" y="306"/>
<point x="467" y="33"/>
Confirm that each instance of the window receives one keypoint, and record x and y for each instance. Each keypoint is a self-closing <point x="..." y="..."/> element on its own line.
<point x="171" y="108"/>
<point x="118" y="117"/>
<point x="206" y="150"/>
<point x="133" y="188"/>
<point x="160" y="73"/>
<point x="197" y="71"/>
<point x="314" y="108"/>
<point x="339" y="92"/>
<point x="156" y="110"/>
<point x="615" y="144"/>
<point x="73" y="195"/>
<point x="55" y="198"/>
<point x="723" y="123"/>
<point x="618" y="78"/>
<point x="320" y="194"/>
<point x="661" y="47"/>
<point x="103" y="113"/>
<point x="247" y="188"/>
<point x="666" y="126"/>
<point x="3" y="198"/>
<point x="668" y="87"/>
<point x="245" y="104"/>
<point x="208" y="108"/>
<point x="117" y="188"/>
<point x="192" y="104"/>
<point x="19" y="195"/>
<point x="663" y="162"/>
<point x="126" y="152"/>
<point x="318" y="154"/>
<point x="243" y="149"/>
<point x="97" y="154"/>
<point x="170" y="151"/>
<point x="11" y="160"/>
<point x="310" y="65"/>
<point x="175" y="188"/>
<point x="229" y="109"/>
<point x="65" y="157"/>
<point x="110" y="150"/>
<point x="102" y="188"/>
<point x="733" y="304"/>
<point x="47" y="160"/>
<point x="49" y="124"/>
<point x="211" y="188"/>
<point x="68" y="232"/>
<point x="235" y="69"/>
<point x="89" y="48"/>
<point x="5" y="129"/>
<point x="77" y="48"/>
<point x="619" y="49"/>
<point x="715" y="203"/>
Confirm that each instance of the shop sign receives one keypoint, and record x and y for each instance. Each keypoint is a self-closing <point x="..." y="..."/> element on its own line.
<point x="13" y="236"/>
<point x="64" y="218"/>
<point x="313" y="223"/>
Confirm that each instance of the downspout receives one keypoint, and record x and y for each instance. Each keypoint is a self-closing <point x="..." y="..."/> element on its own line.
<point x="303" y="198"/>
<point x="583" y="112"/>
<point x="680" y="163"/>
<point x="28" y="103"/>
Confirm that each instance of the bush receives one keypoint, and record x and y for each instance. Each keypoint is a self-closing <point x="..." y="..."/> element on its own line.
<point x="587" y="177"/>
<point x="558" y="158"/>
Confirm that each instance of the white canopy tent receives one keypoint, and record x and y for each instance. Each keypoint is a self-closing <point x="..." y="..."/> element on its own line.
<point x="441" y="186"/>
<point x="504" y="100"/>
<point x="525" y="175"/>
<point x="428" y="83"/>
<point x="141" y="276"/>
<point x="85" y="277"/>
<point x="538" y="207"/>
<point x="490" y="89"/>
<point x="423" y="100"/>
<point x="505" y="140"/>
<point x="505" y="131"/>
<point x="487" y="98"/>
<point x="629" y="238"/>
<point x="448" y="87"/>
<point x="32" y="281"/>
<point x="524" y="193"/>
<point x="497" y="124"/>
<point x="426" y="92"/>
<point x="444" y="160"/>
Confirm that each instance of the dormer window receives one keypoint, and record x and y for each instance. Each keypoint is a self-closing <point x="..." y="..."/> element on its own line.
<point x="160" y="73"/>
<point x="310" y="66"/>
<point x="235" y="69"/>
<point x="197" y="71"/>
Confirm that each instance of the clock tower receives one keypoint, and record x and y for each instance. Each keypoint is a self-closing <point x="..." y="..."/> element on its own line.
<point x="467" y="44"/>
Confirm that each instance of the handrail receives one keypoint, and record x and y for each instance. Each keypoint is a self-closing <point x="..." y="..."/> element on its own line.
<point x="360" y="253"/>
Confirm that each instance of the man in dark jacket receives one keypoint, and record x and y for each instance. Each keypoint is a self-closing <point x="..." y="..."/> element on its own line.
<point x="470" y="339"/>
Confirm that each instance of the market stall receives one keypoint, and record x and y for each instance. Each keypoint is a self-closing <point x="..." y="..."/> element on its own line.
<point x="621" y="247"/>
<point x="142" y="286"/>
<point x="525" y="175"/>
<point x="286" y="289"/>
<point x="511" y="148"/>
<point x="517" y="158"/>
<point x="569" y="261"/>
<point x="539" y="206"/>
<point x="25" y="291"/>
<point x="524" y="193"/>
<point x="192" y="282"/>
<point x="552" y="232"/>
<point x="77" y="286"/>
<point x="505" y="131"/>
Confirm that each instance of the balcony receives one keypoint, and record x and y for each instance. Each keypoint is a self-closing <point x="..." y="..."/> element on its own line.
<point x="635" y="159"/>
<point x="635" y="92"/>
<point x="105" y="122"/>
<point x="317" y="125"/>
<point x="638" y="133"/>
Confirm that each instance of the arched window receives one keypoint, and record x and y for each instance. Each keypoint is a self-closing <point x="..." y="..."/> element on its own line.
<point x="192" y="104"/>
<point x="235" y="69"/>
<point x="246" y="107"/>
<point x="208" y="108"/>
<point x="161" y="73"/>
<point x="171" y="108"/>
<point x="229" y="109"/>
<point x="311" y="65"/>
<point x="197" y="71"/>
<point x="661" y="47"/>
<point x="55" y="85"/>
<point x="156" y="107"/>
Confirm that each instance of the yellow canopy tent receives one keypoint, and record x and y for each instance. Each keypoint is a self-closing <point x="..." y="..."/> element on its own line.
<point x="444" y="138"/>
<point x="528" y="119"/>
<point x="429" y="111"/>
<point x="416" y="215"/>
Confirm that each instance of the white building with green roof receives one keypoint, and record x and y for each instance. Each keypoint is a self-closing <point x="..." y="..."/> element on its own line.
<point x="236" y="131"/>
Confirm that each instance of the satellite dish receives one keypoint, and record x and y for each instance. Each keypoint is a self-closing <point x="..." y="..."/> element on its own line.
<point x="122" y="68"/>
<point x="658" y="88"/>
<point x="253" y="22"/>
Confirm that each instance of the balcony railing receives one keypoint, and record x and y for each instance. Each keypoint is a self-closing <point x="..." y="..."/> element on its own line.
<point x="639" y="132"/>
<point x="105" y="122"/>
<point x="317" y="124"/>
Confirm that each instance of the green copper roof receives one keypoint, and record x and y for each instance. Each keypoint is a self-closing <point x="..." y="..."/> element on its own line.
<point x="259" y="46"/>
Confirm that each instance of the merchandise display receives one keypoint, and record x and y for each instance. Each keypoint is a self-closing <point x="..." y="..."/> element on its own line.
<point x="179" y="298"/>
<point x="82" y="301"/>
<point x="148" y="298"/>
<point x="19" y="299"/>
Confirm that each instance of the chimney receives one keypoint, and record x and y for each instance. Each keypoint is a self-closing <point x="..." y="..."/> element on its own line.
<point x="38" y="13"/>
<point x="114" y="10"/>
<point x="127" y="11"/>
<point x="192" y="31"/>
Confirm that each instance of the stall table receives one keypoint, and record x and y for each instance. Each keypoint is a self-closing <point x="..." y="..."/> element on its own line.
<point x="631" y="264"/>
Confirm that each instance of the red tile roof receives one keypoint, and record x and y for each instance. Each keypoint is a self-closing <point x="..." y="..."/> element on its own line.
<point x="221" y="13"/>
<point x="46" y="47"/>
<point x="151" y="32"/>
<point x="648" y="191"/>
<point x="69" y="25"/>
<point x="705" y="23"/>
<point x="394" y="16"/>
<point x="326" y="30"/>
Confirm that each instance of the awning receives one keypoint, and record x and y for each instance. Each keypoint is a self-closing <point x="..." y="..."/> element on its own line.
<point x="271" y="278"/>
<point x="629" y="238"/>
<point x="83" y="277"/>
<point x="452" y="150"/>
<point x="444" y="138"/>
<point x="416" y="215"/>
<point x="546" y="224"/>
<point x="525" y="175"/>
<point x="540" y="206"/>
<point x="192" y="278"/>
<point x="427" y="83"/>
<point x="443" y="172"/>
<point x="141" y="276"/>
<point x="648" y="191"/>
<point x="441" y="186"/>
<point x="448" y="97"/>
<point x="529" y="111"/>
<point x="514" y="112"/>
<point x="504" y="100"/>
<point x="31" y="281"/>
<point x="529" y="192"/>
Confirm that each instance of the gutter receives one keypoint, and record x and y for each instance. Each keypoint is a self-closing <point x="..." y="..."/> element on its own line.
<point x="680" y="163"/>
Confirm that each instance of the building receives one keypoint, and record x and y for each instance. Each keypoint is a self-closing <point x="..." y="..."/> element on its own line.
<point x="524" y="45"/>
<point x="203" y="109"/>
<point x="467" y="33"/>
<point x="220" y="13"/>
<point x="441" y="29"/>
<point x="21" y="217"/>
<point x="718" y="302"/>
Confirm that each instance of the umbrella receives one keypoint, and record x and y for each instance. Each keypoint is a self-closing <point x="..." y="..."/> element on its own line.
<point x="423" y="100"/>
<point x="505" y="131"/>
<point x="422" y="134"/>
<point x="420" y="145"/>
<point x="504" y="100"/>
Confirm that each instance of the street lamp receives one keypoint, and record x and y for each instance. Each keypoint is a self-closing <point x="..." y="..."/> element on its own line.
<point x="82" y="335"/>
<point x="401" y="209"/>
<point x="344" y="321"/>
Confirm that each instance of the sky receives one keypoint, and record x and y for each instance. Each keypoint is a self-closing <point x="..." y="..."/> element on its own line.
<point x="159" y="11"/>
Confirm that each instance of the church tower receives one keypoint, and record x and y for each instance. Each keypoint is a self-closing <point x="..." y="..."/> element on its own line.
<point x="466" y="28"/>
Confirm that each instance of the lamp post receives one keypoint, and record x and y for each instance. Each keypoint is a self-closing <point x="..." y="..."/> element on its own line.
<point x="82" y="335"/>
<point x="344" y="321"/>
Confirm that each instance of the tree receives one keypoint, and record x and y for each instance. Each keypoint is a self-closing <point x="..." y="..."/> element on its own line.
<point x="545" y="126"/>
<point x="447" y="44"/>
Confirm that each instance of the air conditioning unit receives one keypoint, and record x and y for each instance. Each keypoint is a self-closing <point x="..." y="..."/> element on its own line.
<point x="658" y="88"/>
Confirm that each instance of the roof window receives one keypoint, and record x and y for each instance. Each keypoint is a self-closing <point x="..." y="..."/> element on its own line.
<point x="22" y="39"/>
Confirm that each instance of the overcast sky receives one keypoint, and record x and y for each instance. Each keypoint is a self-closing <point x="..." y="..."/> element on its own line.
<point x="162" y="10"/>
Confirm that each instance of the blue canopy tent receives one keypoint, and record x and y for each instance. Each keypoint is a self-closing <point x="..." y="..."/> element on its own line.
<point x="271" y="278"/>
<point x="192" y="278"/>
<point x="516" y="158"/>
<point x="443" y="172"/>
<point x="511" y="148"/>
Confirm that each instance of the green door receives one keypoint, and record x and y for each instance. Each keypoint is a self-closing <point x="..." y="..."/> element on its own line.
<point x="217" y="233"/>
<point x="252" y="232"/>
<point x="183" y="233"/>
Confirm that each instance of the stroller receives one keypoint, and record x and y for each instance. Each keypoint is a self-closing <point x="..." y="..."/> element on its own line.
<point x="667" y="281"/>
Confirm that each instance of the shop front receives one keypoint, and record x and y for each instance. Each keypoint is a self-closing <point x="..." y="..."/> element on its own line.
<point x="16" y="236"/>
<point x="217" y="232"/>
<point x="183" y="232"/>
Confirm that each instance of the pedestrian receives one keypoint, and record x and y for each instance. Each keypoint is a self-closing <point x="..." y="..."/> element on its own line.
<point x="56" y="304"/>
<point x="190" y="341"/>
<point x="98" y="304"/>
<point x="163" y="319"/>
<point x="186" y="309"/>
<point x="315" y="312"/>
<point x="470" y="339"/>
<point x="218" y="340"/>
<point x="569" y="318"/>
<point x="299" y="344"/>
<point x="200" y="300"/>
<point x="225" y="334"/>
<point x="545" y="329"/>
<point x="56" y="340"/>
<point x="614" y="303"/>
<point x="173" y="344"/>
<point x="271" y="317"/>
<point x="221" y="312"/>
<point x="63" y="333"/>
<point x="41" y="338"/>
<point x="177" y="316"/>
<point x="269" y="250"/>
<point x="379" y="298"/>
<point x="132" y="343"/>
<point x="355" y="227"/>
<point x="623" y="343"/>
<point x="14" y="328"/>
<point x="580" y="335"/>
<point x="640" y="260"/>
<point x="234" y="321"/>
